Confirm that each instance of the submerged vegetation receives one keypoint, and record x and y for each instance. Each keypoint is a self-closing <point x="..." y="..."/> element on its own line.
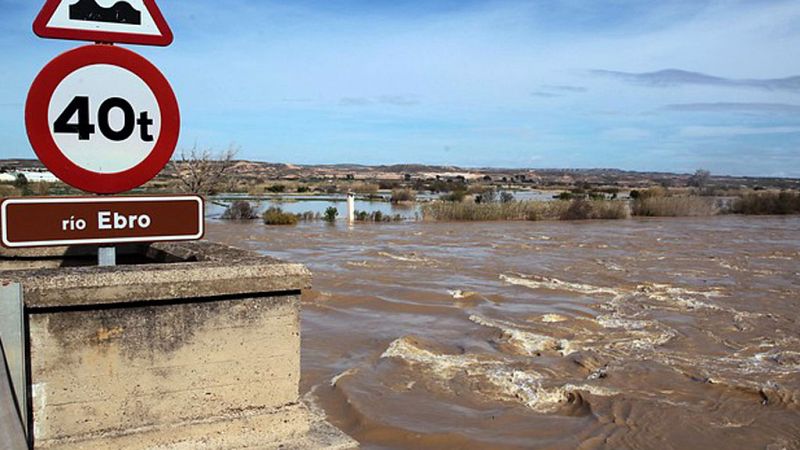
<point x="276" y="216"/>
<point x="582" y="209"/>
<point x="376" y="216"/>
<point x="678" y="206"/>
<point x="330" y="214"/>
<point x="494" y="206"/>
<point x="403" y="195"/>
<point x="761" y="203"/>
<point x="526" y="210"/>
<point x="239" y="210"/>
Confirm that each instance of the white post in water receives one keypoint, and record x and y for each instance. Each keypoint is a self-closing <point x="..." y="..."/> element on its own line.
<point x="106" y="256"/>
<point x="351" y="207"/>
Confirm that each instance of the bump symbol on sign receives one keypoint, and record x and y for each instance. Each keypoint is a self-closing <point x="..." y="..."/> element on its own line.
<point x="112" y="21"/>
<point x="89" y="10"/>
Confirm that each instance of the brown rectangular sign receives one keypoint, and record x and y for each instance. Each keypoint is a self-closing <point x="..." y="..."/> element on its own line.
<point x="44" y="222"/>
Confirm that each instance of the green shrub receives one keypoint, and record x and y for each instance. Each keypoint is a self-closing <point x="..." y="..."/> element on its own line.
<point x="22" y="184"/>
<point x="240" y="210"/>
<point x="330" y="214"/>
<point x="277" y="189"/>
<point x="276" y="216"/>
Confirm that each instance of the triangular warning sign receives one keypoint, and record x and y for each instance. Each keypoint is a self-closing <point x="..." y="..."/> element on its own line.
<point x="113" y="21"/>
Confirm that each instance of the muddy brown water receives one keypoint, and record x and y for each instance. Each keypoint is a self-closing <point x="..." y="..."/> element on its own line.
<point x="641" y="334"/>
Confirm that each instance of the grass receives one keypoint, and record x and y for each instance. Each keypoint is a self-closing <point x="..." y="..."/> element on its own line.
<point x="309" y="216"/>
<point x="582" y="209"/>
<point x="39" y="189"/>
<point x="276" y="216"/>
<point x="377" y="216"/>
<point x="763" y="203"/>
<point x="678" y="206"/>
<point x="525" y="210"/>
<point x="403" y="195"/>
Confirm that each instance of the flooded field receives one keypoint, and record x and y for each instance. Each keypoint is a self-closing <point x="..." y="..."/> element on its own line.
<point x="301" y="205"/>
<point x="298" y="204"/>
<point x="647" y="334"/>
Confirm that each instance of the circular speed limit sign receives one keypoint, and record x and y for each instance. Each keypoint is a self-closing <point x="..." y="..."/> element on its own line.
<point x="102" y="118"/>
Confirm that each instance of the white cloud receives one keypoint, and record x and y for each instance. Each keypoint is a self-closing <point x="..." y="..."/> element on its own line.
<point x="732" y="131"/>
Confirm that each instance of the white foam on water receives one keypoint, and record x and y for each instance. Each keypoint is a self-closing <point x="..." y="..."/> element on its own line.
<point x="446" y="365"/>
<point x="358" y="263"/>
<point x="528" y="342"/>
<point x="615" y="321"/>
<point x="526" y="386"/>
<point x="681" y="297"/>
<point x="406" y="258"/>
<point x="554" y="284"/>
<point x="346" y="373"/>
<point x="553" y="318"/>
<point x="458" y="294"/>
<point x="501" y="381"/>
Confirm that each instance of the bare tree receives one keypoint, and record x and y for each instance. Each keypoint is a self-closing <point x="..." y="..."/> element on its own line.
<point x="700" y="178"/>
<point x="203" y="171"/>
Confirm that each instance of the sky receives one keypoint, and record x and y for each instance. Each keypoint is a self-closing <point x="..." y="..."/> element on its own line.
<point x="629" y="84"/>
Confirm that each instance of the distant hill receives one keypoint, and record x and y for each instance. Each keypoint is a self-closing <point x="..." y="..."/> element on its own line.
<point x="259" y="171"/>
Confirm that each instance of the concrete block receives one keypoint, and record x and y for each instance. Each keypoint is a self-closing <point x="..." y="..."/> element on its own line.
<point x="199" y="347"/>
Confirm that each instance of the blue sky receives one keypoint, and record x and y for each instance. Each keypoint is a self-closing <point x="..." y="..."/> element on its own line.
<point x="666" y="85"/>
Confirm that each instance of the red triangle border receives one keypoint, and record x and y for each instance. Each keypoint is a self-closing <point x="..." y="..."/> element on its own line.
<point x="42" y="30"/>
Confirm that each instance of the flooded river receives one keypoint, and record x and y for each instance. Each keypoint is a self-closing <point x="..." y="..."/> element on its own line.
<point x="645" y="334"/>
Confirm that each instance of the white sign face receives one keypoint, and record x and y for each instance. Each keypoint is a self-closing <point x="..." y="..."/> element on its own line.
<point x="128" y="16"/>
<point x="104" y="118"/>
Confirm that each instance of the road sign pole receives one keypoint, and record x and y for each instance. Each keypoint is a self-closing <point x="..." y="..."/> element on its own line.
<point x="107" y="256"/>
<point x="13" y="384"/>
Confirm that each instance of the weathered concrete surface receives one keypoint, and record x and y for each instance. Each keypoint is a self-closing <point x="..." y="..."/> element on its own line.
<point x="202" y="354"/>
<point x="216" y="270"/>
<point x="290" y="427"/>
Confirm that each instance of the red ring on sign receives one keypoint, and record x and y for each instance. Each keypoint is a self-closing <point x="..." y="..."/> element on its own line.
<point x="41" y="137"/>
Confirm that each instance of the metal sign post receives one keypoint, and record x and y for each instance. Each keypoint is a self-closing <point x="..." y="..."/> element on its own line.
<point x="13" y="401"/>
<point x="107" y="256"/>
